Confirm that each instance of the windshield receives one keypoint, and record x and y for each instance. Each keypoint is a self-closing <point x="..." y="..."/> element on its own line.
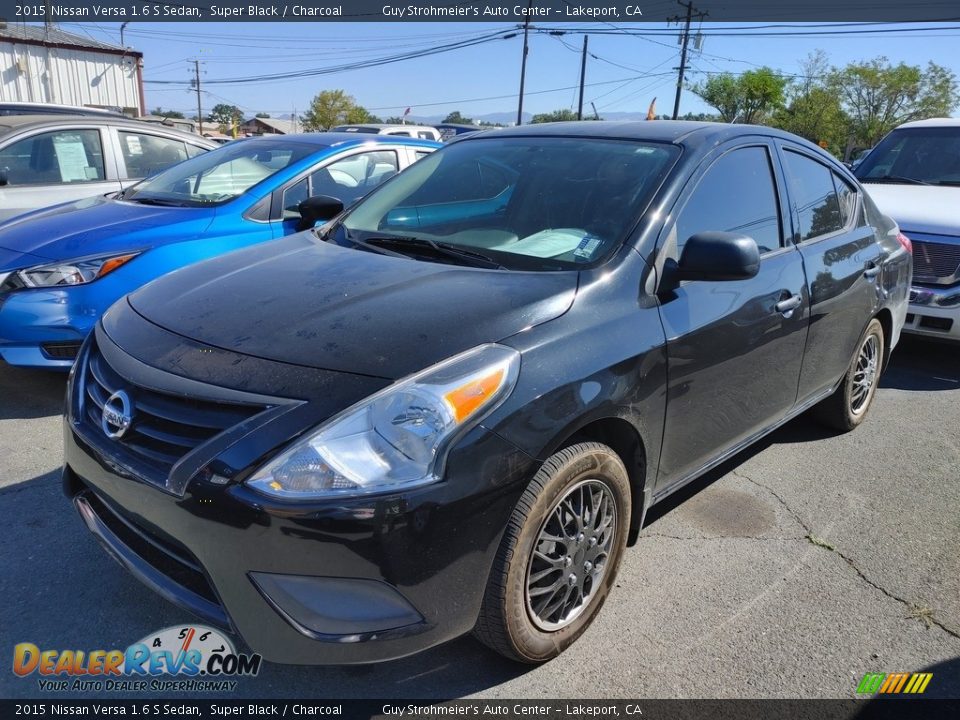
<point x="220" y="175"/>
<point x="925" y="155"/>
<point x="524" y="203"/>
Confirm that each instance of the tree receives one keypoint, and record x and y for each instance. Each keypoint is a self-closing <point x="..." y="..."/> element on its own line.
<point x="358" y="115"/>
<point x="746" y="98"/>
<point x="456" y="117"/>
<point x="556" y="116"/>
<point x="394" y="120"/>
<point x="160" y="112"/>
<point x="330" y="108"/>
<point x="812" y="109"/>
<point x="263" y="115"/>
<point x="878" y="96"/>
<point x="225" y="115"/>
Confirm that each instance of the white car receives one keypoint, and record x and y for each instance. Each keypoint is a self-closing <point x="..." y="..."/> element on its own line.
<point x="51" y="159"/>
<point x="913" y="175"/>
<point x="423" y="132"/>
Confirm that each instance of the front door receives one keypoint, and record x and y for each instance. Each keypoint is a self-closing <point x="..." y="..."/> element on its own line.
<point x="734" y="348"/>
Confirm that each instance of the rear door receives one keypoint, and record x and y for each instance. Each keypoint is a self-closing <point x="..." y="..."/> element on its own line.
<point x="52" y="166"/>
<point x="842" y="260"/>
<point x="734" y="348"/>
<point x="142" y="153"/>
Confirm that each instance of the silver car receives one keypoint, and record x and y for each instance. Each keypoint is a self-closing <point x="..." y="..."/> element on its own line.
<point x="49" y="159"/>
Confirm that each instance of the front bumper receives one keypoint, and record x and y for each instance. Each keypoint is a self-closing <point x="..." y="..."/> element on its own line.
<point x="934" y="312"/>
<point x="345" y="581"/>
<point x="45" y="328"/>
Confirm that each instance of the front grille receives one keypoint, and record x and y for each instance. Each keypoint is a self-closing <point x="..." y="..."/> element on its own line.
<point x="175" y="562"/>
<point x="935" y="262"/>
<point x="165" y="426"/>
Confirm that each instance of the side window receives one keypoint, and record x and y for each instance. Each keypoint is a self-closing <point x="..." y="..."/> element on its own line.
<point x="146" y="154"/>
<point x="64" y="156"/>
<point x="293" y="196"/>
<point x="811" y="185"/>
<point x="420" y="154"/>
<point x="737" y="194"/>
<point x="347" y="180"/>
<point x="847" y="198"/>
<point x="194" y="150"/>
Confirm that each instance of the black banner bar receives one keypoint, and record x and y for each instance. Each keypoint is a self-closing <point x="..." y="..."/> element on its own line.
<point x="541" y="11"/>
<point x="877" y="709"/>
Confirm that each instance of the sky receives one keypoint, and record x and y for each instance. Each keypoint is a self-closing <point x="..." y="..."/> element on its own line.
<point x="624" y="73"/>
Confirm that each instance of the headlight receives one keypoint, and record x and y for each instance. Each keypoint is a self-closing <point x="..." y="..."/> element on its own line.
<point x="74" y="272"/>
<point x="397" y="438"/>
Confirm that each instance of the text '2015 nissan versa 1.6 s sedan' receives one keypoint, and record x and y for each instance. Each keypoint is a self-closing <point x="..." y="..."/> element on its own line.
<point x="448" y="408"/>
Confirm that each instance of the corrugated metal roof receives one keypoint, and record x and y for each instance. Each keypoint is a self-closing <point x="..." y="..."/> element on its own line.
<point x="277" y="124"/>
<point x="52" y="34"/>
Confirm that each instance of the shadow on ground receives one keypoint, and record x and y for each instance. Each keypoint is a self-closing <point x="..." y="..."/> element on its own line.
<point x="30" y="393"/>
<point x="920" y="364"/>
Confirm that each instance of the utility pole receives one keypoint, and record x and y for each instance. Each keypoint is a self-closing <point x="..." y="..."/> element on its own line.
<point x="683" y="51"/>
<point x="523" y="61"/>
<point x="196" y="70"/>
<point x="583" y="77"/>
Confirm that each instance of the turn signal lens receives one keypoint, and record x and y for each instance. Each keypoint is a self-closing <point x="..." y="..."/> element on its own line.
<point x="905" y="242"/>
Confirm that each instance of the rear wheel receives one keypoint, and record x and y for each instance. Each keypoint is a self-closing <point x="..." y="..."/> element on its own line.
<point x="559" y="555"/>
<point x="848" y="406"/>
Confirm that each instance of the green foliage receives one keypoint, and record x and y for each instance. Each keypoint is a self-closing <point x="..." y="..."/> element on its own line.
<point x="813" y="110"/>
<point x="878" y="96"/>
<point x="160" y="112"/>
<point x="558" y="116"/>
<point x="456" y="117"/>
<point x="747" y="98"/>
<point x="394" y="120"/>
<point x="330" y="108"/>
<point x="263" y="115"/>
<point x="225" y="115"/>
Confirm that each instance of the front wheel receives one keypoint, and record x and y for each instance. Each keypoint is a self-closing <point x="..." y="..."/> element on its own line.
<point x="559" y="555"/>
<point x="848" y="406"/>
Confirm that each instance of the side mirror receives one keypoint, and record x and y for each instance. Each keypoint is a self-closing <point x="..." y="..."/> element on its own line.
<point x="718" y="256"/>
<point x="318" y="208"/>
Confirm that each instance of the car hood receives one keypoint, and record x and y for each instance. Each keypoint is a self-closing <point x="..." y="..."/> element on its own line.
<point x="302" y="301"/>
<point x="920" y="208"/>
<point x="95" y="225"/>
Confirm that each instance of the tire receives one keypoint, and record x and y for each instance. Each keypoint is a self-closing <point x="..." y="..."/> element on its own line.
<point x="587" y="481"/>
<point x="849" y="404"/>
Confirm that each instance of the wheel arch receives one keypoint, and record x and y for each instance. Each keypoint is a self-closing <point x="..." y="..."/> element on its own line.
<point x="624" y="438"/>
<point x="886" y="322"/>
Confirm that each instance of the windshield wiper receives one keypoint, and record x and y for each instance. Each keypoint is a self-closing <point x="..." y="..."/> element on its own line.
<point x="894" y="179"/>
<point x="455" y="252"/>
<point x="155" y="201"/>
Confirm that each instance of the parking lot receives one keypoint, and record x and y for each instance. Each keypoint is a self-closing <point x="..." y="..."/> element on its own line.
<point x="788" y="572"/>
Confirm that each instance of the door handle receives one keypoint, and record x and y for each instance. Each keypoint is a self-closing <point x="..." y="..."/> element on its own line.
<point x="872" y="270"/>
<point x="786" y="307"/>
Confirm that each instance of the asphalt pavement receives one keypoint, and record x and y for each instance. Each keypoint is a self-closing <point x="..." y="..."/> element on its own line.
<point x="789" y="572"/>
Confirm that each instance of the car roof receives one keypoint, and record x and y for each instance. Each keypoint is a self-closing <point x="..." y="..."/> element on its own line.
<point x="24" y="108"/>
<point x="672" y="131"/>
<point x="382" y="126"/>
<point x="932" y="122"/>
<point x="9" y="123"/>
<point x="344" y="139"/>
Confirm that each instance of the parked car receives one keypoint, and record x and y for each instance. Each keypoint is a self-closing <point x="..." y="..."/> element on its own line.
<point x="448" y="131"/>
<point x="913" y="174"/>
<point x="48" y="159"/>
<point x="450" y="407"/>
<point x="423" y="132"/>
<point x="60" y="268"/>
<point x="35" y="108"/>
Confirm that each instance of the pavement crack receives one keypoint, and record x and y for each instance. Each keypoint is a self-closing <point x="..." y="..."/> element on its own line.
<point x="916" y="612"/>
<point x="786" y="506"/>
<point x="668" y="536"/>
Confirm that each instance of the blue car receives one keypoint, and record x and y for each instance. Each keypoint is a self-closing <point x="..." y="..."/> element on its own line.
<point x="62" y="267"/>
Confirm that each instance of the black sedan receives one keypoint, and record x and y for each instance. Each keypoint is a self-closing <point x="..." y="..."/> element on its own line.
<point x="449" y="408"/>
